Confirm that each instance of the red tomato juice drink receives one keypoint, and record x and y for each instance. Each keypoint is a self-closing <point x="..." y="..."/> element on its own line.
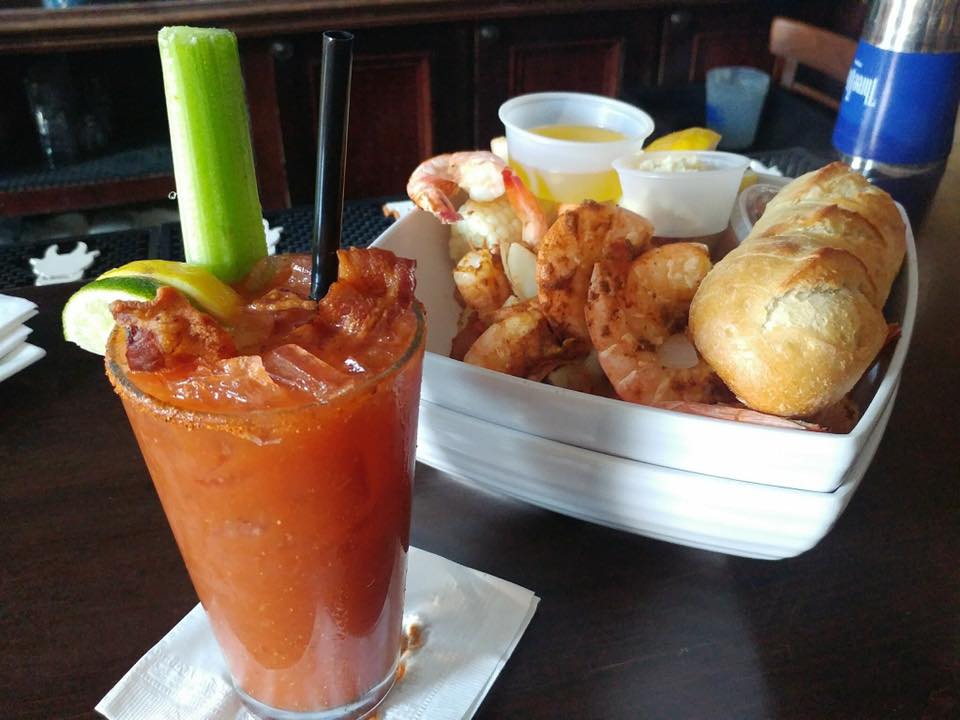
<point x="286" y="473"/>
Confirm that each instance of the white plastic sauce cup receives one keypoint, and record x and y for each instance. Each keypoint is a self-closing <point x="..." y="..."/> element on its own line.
<point x="680" y="204"/>
<point x="568" y="170"/>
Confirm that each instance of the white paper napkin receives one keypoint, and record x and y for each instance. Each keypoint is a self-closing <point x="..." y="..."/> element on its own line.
<point x="759" y="167"/>
<point x="13" y="338"/>
<point x="472" y="622"/>
<point x="15" y="354"/>
<point x="14" y="311"/>
<point x="17" y="360"/>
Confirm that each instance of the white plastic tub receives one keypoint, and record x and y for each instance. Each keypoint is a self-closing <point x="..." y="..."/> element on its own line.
<point x="521" y="114"/>
<point x="570" y="170"/>
<point x="703" y="511"/>
<point x="681" y="203"/>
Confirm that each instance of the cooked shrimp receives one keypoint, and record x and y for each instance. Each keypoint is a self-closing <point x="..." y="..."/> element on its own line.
<point x="526" y="207"/>
<point x="469" y="328"/>
<point x="520" y="342"/>
<point x="497" y="224"/>
<point x="736" y="413"/>
<point x="481" y="281"/>
<point x="438" y="180"/>
<point x="492" y="225"/>
<point x="841" y="417"/>
<point x="584" y="375"/>
<point x="633" y="307"/>
<point x="579" y="238"/>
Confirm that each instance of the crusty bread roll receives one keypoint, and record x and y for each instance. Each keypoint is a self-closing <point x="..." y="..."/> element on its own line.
<point x="793" y="317"/>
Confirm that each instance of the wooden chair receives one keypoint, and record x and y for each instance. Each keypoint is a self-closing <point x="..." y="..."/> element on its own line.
<point x="794" y="43"/>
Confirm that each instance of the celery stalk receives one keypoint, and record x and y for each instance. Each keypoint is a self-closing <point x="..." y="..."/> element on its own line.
<point x="220" y="212"/>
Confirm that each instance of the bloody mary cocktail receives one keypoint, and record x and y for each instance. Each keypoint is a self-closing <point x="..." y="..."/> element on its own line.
<point x="282" y="448"/>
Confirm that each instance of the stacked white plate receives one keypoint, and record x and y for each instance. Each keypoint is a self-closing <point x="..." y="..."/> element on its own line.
<point x="15" y="352"/>
<point x="731" y="487"/>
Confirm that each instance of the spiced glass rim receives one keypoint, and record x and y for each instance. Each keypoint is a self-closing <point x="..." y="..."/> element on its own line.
<point x="126" y="388"/>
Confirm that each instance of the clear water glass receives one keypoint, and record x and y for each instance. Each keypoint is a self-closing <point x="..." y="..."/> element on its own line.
<point x="735" y="97"/>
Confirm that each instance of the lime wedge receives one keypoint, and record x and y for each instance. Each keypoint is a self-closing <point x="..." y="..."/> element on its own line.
<point x="201" y="287"/>
<point x="86" y="316"/>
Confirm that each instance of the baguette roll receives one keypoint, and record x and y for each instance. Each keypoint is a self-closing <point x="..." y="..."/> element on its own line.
<point x="793" y="317"/>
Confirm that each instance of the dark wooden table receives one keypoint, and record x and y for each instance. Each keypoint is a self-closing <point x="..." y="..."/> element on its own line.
<point x="865" y="625"/>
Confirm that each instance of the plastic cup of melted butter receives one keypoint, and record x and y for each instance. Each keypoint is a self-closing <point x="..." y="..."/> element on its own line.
<point x="562" y="144"/>
<point x="685" y="194"/>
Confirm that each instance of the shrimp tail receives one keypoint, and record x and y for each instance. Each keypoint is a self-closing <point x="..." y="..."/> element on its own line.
<point x="511" y="181"/>
<point x="893" y="333"/>
<point x="526" y="207"/>
<point x="433" y="195"/>
<point x="737" y="414"/>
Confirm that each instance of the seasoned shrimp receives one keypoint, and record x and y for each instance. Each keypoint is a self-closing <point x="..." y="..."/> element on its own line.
<point x="580" y="237"/>
<point x="469" y="328"/>
<point x="633" y="308"/>
<point x="481" y="281"/>
<point x="737" y="413"/>
<point x="437" y="181"/>
<point x="520" y="342"/>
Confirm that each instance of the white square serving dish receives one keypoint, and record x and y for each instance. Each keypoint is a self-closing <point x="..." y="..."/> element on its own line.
<point x="703" y="511"/>
<point x="775" y="457"/>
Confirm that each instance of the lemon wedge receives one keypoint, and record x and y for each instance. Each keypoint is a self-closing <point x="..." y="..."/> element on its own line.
<point x="694" y="138"/>
<point x="202" y="287"/>
<point x="749" y="178"/>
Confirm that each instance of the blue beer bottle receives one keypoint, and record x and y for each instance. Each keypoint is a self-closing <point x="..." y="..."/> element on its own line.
<point x="899" y="106"/>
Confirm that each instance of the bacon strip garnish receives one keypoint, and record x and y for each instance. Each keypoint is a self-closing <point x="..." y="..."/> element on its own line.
<point x="169" y="332"/>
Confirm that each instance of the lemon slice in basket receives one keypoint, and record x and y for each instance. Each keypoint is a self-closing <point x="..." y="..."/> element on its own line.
<point x="694" y="138"/>
<point x="87" y="320"/>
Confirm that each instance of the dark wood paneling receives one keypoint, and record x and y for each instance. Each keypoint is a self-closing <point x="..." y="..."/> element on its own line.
<point x="99" y="26"/>
<point x="847" y="17"/>
<point x="99" y="195"/>
<point x="591" y="66"/>
<point x="410" y="97"/>
<point x="716" y="49"/>
<point x="595" y="52"/>
<point x="695" y="39"/>
<point x="391" y="127"/>
<point x="265" y="129"/>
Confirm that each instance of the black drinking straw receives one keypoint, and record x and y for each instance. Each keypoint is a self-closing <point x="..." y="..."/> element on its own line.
<point x="331" y="158"/>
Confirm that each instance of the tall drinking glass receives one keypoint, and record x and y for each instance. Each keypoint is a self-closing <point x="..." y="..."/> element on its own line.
<point x="294" y="526"/>
<point x="735" y="97"/>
